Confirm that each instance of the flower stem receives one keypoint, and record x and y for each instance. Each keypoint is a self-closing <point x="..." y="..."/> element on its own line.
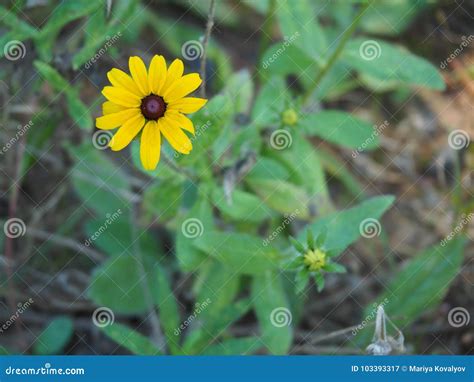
<point x="210" y="24"/>
<point x="335" y="55"/>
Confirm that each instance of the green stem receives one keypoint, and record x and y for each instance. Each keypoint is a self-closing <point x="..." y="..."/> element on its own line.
<point x="335" y="55"/>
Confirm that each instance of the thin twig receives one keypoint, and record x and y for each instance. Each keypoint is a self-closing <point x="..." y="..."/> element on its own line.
<point x="210" y="24"/>
<point x="335" y="55"/>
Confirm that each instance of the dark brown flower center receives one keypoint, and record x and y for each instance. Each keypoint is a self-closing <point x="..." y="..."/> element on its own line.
<point x="153" y="107"/>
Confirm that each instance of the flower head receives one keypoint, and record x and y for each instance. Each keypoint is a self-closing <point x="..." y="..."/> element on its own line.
<point x="314" y="259"/>
<point x="152" y="102"/>
<point x="289" y="117"/>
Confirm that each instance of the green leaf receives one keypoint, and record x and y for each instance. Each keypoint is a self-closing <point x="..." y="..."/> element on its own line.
<point x="397" y="16"/>
<point x="52" y="76"/>
<point x="419" y="286"/>
<point x="243" y="253"/>
<point x="234" y="346"/>
<point x="78" y="111"/>
<point x="298" y="22"/>
<point x="201" y="218"/>
<point x="270" y="103"/>
<point x="211" y="330"/>
<point x="239" y="88"/>
<point x="267" y="168"/>
<point x="283" y="197"/>
<point x="244" y="206"/>
<point x="218" y="284"/>
<point x="130" y="339"/>
<point x="343" y="227"/>
<point x="271" y="308"/>
<point x="387" y="62"/>
<point x="163" y="199"/>
<point x="340" y="128"/>
<point x="64" y="13"/>
<point x="117" y="284"/>
<point x="168" y="308"/>
<point x="281" y="59"/>
<point x="55" y="337"/>
<point x="101" y="185"/>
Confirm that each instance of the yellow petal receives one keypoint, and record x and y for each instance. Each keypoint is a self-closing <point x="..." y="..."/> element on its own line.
<point x="121" y="97"/>
<point x="183" y="121"/>
<point x="175" y="136"/>
<point x="127" y="132"/>
<point x="110" y="107"/>
<point x="139" y="74"/>
<point x="182" y="87"/>
<point x="175" y="71"/>
<point x="123" y="80"/>
<point x="150" y="145"/>
<point x="157" y="74"/>
<point x="111" y="121"/>
<point x="187" y="105"/>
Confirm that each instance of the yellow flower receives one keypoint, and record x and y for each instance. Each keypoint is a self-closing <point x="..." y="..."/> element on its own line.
<point x="315" y="259"/>
<point x="153" y="100"/>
